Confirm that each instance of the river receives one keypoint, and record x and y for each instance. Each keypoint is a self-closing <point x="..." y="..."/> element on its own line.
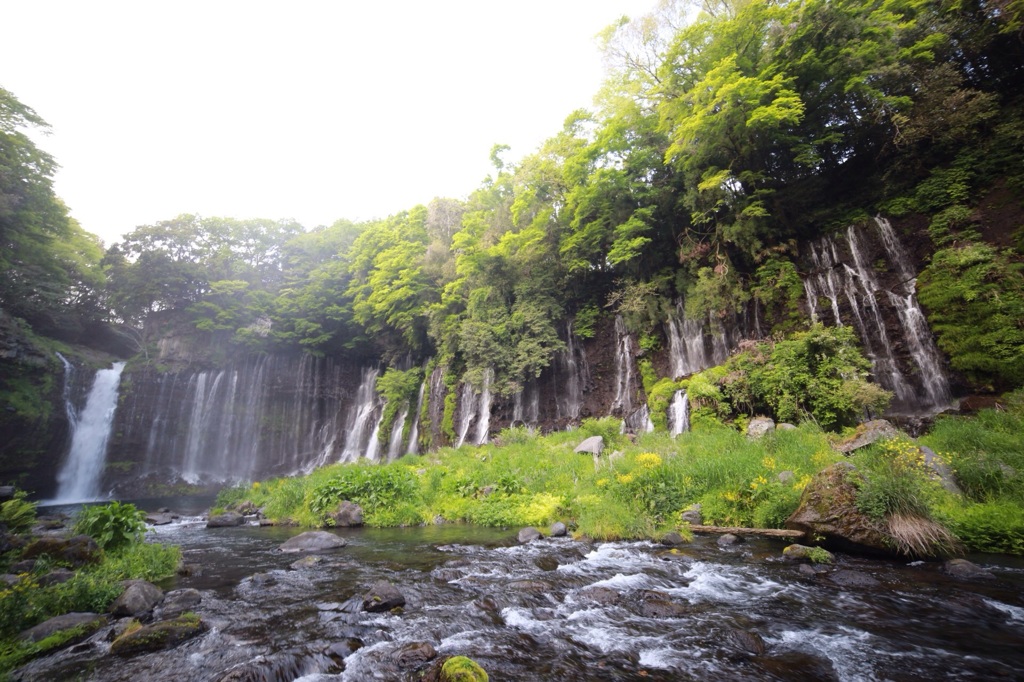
<point x="563" y="609"/>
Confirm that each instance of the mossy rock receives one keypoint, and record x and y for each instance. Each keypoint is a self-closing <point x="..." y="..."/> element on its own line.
<point x="462" y="669"/>
<point x="158" y="636"/>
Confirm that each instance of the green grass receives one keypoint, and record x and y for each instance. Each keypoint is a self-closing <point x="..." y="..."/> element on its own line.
<point x="536" y="480"/>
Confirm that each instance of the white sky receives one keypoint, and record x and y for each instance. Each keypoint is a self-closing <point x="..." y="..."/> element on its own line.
<point x="312" y="110"/>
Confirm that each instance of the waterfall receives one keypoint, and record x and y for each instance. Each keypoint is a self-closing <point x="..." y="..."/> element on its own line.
<point x="79" y="479"/>
<point x="623" y="401"/>
<point x="373" y="446"/>
<point x="467" y="413"/>
<point x="851" y="285"/>
<point x="571" y="376"/>
<point x="395" y="441"/>
<point x="483" y="424"/>
<point x="69" y="406"/>
<point x="414" y="433"/>
<point x="361" y="419"/>
<point x="679" y="414"/>
<point x="471" y="409"/>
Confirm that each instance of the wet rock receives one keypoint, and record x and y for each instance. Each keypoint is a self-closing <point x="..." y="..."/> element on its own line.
<point x="6" y="493"/>
<point x="759" y="426"/>
<point x="414" y="654"/>
<point x="866" y="434"/>
<point x="247" y="508"/>
<point x="673" y="538"/>
<point x="177" y="603"/>
<point x="745" y="642"/>
<point x="159" y="519"/>
<point x="808" y="570"/>
<point x="796" y="552"/>
<point x="10" y="579"/>
<point x="347" y="515"/>
<point x="593" y="445"/>
<point x="56" y="577"/>
<point x="529" y="586"/>
<point x="382" y="596"/>
<point x="76" y="551"/>
<point x="225" y="520"/>
<point x="845" y="578"/>
<point x="92" y="621"/>
<point x="965" y="570"/>
<point x="728" y="540"/>
<point x="546" y="563"/>
<point x="694" y="515"/>
<point x="557" y="530"/>
<point x="655" y="604"/>
<point x="528" y="535"/>
<point x="307" y="562"/>
<point x="24" y="566"/>
<point x="138" y="599"/>
<point x="313" y="541"/>
<point x="601" y="595"/>
<point x="189" y="569"/>
<point x="828" y="509"/>
<point x="158" y="636"/>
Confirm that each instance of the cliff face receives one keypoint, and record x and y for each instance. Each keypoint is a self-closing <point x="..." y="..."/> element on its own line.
<point x="201" y="414"/>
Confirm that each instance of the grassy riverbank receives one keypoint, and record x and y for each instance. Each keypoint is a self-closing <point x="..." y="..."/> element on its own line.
<point x="640" y="489"/>
<point x="32" y="594"/>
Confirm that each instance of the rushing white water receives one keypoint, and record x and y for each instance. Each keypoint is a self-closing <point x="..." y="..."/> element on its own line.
<point x="845" y="275"/>
<point x="79" y="479"/>
<point x="467" y="413"/>
<point x="395" y="441"/>
<point x="679" y="414"/>
<point x="69" y="405"/>
<point x="475" y="408"/>
<point x="364" y="419"/>
<point x="483" y="424"/>
<point x="571" y="376"/>
<point x="414" y="432"/>
<point x="624" y="388"/>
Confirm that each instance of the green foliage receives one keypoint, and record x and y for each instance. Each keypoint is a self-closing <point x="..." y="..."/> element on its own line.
<point x="974" y="297"/>
<point x="585" y="323"/>
<point x="113" y="525"/>
<point x="894" y="480"/>
<point x="996" y="526"/>
<point x="659" y="396"/>
<point x="387" y="495"/>
<point x="17" y="514"/>
<point x="819" y="373"/>
<point x="399" y="390"/>
<point x="820" y="555"/>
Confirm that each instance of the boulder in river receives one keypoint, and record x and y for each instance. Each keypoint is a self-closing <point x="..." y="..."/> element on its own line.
<point x="225" y="520"/>
<point x="382" y="596"/>
<point x="828" y="509"/>
<point x="313" y="541"/>
<point x="138" y="598"/>
<point x="414" y="654"/>
<point x="177" y="603"/>
<point x="966" y="570"/>
<point x="158" y="636"/>
<point x="673" y="538"/>
<point x="528" y="535"/>
<point x="729" y="539"/>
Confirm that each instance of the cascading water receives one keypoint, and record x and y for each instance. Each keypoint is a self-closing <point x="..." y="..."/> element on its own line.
<point x="69" y="406"/>
<point x="526" y="405"/>
<point x="395" y="441"/>
<point x="363" y="419"/>
<point x="844" y="275"/>
<point x="79" y="479"/>
<point x="679" y="414"/>
<point x="623" y="402"/>
<point x="696" y="344"/>
<point x="571" y="376"/>
<point x="475" y="408"/>
<point x="414" y="433"/>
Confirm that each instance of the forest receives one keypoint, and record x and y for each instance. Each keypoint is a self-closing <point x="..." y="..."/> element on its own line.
<point x="725" y="182"/>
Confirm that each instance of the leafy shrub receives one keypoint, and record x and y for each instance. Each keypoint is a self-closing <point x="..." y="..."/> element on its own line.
<point x="974" y="297"/>
<point x="379" y="490"/>
<point x="996" y="526"/>
<point x="113" y="525"/>
<point x="18" y="514"/>
<point x="606" y="427"/>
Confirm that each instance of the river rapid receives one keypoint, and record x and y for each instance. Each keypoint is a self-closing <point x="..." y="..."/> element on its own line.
<point x="564" y="609"/>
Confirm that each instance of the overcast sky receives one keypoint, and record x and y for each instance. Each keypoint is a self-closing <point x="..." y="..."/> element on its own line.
<point x="307" y="110"/>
